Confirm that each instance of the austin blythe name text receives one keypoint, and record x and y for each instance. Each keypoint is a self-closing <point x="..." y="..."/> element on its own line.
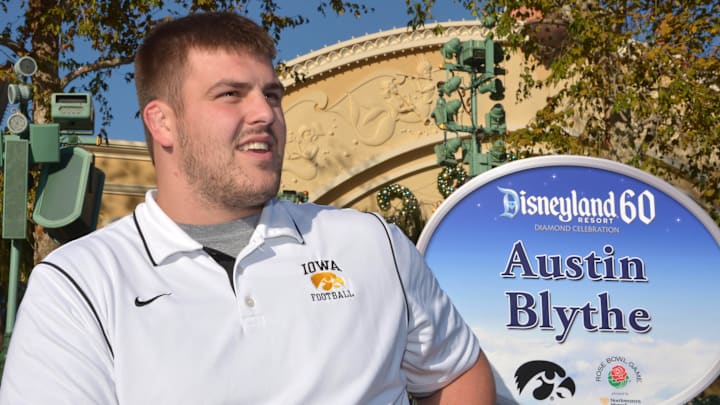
<point x="528" y="312"/>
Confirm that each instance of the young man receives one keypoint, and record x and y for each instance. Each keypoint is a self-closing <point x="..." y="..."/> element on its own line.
<point x="213" y="292"/>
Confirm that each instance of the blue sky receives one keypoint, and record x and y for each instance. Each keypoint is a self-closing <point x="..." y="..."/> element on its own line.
<point x="320" y="32"/>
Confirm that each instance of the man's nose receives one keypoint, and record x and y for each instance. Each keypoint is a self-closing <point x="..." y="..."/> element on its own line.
<point x="259" y="109"/>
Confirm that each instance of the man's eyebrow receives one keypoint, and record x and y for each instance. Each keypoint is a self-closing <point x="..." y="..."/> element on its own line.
<point x="233" y="84"/>
<point x="225" y="84"/>
<point x="275" y="86"/>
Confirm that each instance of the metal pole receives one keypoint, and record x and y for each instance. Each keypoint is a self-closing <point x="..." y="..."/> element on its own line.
<point x="473" y="119"/>
<point x="15" y="253"/>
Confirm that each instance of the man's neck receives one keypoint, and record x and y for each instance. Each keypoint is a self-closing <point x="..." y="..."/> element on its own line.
<point x="186" y="208"/>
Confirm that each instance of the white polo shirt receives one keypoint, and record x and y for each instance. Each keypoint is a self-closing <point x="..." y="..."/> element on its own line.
<point x="325" y="306"/>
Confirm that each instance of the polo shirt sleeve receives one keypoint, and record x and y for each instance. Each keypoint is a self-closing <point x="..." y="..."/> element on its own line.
<point x="440" y="345"/>
<point x="58" y="352"/>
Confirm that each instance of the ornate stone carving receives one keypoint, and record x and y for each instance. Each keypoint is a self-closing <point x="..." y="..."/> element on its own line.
<point x="371" y="46"/>
<point x="325" y="134"/>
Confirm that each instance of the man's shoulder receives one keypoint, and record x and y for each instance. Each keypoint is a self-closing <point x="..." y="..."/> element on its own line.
<point x="343" y="221"/>
<point x="320" y="212"/>
<point x="106" y="240"/>
<point x="318" y="216"/>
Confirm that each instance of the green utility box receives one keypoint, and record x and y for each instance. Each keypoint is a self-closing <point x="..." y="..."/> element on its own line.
<point x="45" y="143"/>
<point x="73" y="111"/>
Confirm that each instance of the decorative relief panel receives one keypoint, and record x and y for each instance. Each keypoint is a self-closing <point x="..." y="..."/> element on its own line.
<point x="383" y="111"/>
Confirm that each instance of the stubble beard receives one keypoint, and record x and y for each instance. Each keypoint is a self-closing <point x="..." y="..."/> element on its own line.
<point x="215" y="175"/>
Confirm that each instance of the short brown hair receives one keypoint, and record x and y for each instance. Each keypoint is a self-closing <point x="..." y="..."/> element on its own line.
<point x="160" y="61"/>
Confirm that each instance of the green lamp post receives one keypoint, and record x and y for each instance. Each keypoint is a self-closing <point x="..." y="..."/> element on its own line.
<point x="477" y="59"/>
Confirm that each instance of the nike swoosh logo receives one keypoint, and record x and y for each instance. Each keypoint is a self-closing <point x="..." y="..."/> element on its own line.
<point x="142" y="303"/>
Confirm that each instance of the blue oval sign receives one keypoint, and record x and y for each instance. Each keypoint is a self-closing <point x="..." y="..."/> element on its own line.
<point x="586" y="281"/>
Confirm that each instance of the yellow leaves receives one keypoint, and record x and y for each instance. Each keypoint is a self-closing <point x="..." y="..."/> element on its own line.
<point x="663" y="29"/>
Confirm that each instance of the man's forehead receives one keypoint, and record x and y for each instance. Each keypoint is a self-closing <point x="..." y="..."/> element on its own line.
<point x="207" y="60"/>
<point x="217" y="52"/>
<point x="223" y="62"/>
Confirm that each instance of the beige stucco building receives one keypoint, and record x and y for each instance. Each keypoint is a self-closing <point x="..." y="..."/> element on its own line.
<point x="359" y="121"/>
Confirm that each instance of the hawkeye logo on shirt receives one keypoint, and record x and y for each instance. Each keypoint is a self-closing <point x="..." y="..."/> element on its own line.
<point x="325" y="276"/>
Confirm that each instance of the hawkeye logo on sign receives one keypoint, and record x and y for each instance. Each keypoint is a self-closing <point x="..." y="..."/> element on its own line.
<point x="326" y="276"/>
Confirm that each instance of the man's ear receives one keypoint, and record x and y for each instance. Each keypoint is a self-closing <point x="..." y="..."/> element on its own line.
<point x="160" y="120"/>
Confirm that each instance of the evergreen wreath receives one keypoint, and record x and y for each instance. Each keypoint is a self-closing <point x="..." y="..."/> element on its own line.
<point x="408" y="217"/>
<point x="450" y="178"/>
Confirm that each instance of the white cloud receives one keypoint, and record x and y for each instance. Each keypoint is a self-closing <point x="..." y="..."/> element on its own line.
<point x="670" y="372"/>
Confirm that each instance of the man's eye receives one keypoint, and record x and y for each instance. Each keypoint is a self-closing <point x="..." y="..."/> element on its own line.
<point x="273" y="98"/>
<point x="229" y="94"/>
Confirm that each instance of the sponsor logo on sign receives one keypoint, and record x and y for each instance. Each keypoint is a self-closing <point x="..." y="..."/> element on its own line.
<point x="629" y="206"/>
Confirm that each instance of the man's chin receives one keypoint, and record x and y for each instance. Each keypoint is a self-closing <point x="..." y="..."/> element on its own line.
<point x="256" y="198"/>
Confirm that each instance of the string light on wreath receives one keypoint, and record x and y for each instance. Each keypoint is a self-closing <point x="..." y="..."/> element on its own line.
<point x="450" y="178"/>
<point x="393" y="191"/>
<point x="409" y="218"/>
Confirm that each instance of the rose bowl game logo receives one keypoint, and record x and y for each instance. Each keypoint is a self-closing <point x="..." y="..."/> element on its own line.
<point x="618" y="371"/>
<point x="618" y="376"/>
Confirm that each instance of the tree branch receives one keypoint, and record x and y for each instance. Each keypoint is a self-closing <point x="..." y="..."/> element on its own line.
<point x="97" y="65"/>
<point x="14" y="46"/>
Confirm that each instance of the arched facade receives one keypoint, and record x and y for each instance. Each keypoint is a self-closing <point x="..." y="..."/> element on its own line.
<point x="359" y="120"/>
